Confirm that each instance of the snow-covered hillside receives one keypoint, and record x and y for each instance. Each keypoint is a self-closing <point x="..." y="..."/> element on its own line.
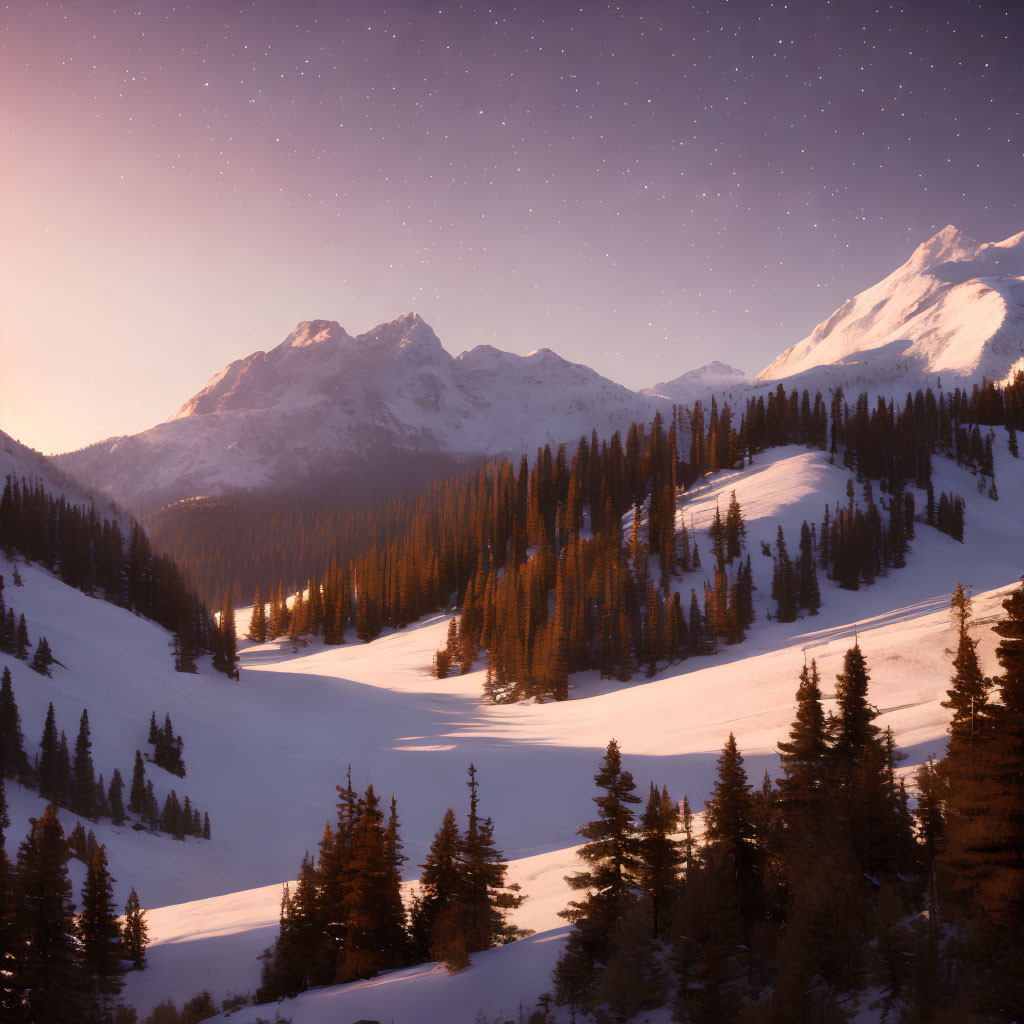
<point x="263" y="755"/>
<point x="954" y="310"/>
<point x="323" y="402"/>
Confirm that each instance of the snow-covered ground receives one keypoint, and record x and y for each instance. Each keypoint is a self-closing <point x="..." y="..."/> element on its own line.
<point x="263" y="755"/>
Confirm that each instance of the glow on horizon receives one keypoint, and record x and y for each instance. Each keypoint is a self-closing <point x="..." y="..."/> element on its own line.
<point x="641" y="189"/>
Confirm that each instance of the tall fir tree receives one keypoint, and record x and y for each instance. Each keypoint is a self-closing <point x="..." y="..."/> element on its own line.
<point x="440" y="891"/>
<point x="258" y="619"/>
<point x="228" y="646"/>
<point x="999" y="826"/>
<point x="967" y="697"/>
<point x="115" y="798"/>
<point x="13" y="762"/>
<point x="729" y="824"/>
<point x="51" y="971"/>
<point x="660" y="859"/>
<point x="137" y="794"/>
<point x="134" y="933"/>
<point x="84" y="792"/>
<point x="804" y="788"/>
<point x="375" y="924"/>
<point x="611" y="852"/>
<point x="99" y="934"/>
<point x="50" y="783"/>
<point x="486" y="893"/>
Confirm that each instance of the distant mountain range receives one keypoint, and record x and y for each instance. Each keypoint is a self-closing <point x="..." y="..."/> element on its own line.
<point x="23" y="463"/>
<point x="324" y="405"/>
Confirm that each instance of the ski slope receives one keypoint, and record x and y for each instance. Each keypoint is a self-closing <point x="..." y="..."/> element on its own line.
<point x="263" y="755"/>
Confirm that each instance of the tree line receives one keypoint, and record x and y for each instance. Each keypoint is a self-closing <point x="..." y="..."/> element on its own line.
<point x="242" y="542"/>
<point x="94" y="556"/>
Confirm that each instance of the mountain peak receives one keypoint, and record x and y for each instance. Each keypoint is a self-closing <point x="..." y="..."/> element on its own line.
<point x="315" y="332"/>
<point x="944" y="246"/>
<point x="696" y="383"/>
<point x="408" y="336"/>
<point x="952" y="309"/>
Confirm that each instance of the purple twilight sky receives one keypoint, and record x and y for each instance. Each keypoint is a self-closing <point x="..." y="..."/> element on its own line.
<point x="641" y="186"/>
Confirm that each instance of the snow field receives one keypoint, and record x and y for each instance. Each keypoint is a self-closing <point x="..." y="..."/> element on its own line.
<point x="263" y="756"/>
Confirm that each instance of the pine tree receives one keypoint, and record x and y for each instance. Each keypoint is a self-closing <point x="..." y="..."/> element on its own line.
<point x="100" y="934"/>
<point x="50" y="786"/>
<point x="51" y="972"/>
<point x="783" y="583"/>
<point x="854" y="725"/>
<point x="487" y="895"/>
<point x="440" y="888"/>
<point x="968" y="695"/>
<point x="375" y="925"/>
<point x="729" y="823"/>
<point x="13" y="762"/>
<point x="708" y="936"/>
<point x="137" y="793"/>
<point x="258" y="619"/>
<point x="804" y="786"/>
<point x="612" y="853"/>
<point x="808" y="591"/>
<point x="42" y="659"/>
<point x="632" y="980"/>
<point x="659" y="858"/>
<point x="930" y="811"/>
<point x="150" y="810"/>
<point x="115" y="797"/>
<point x="21" y="640"/>
<point x="228" y="638"/>
<point x="688" y="844"/>
<point x="63" y="768"/>
<point x="84" y="793"/>
<point x="870" y="805"/>
<point x="995" y="847"/>
<point x="735" y="530"/>
<point x="134" y="934"/>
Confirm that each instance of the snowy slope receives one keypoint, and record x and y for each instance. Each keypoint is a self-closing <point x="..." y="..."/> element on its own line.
<point x="264" y="755"/>
<point x="955" y="309"/>
<point x="323" y="402"/>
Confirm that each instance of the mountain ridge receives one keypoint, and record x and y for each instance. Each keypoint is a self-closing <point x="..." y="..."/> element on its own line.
<point x="326" y="404"/>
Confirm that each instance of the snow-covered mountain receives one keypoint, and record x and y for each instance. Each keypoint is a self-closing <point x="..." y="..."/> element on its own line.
<point x="323" y="402"/>
<point x="712" y="377"/>
<point x="954" y="310"/>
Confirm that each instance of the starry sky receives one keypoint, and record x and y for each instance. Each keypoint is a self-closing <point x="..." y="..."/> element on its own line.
<point x="641" y="186"/>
